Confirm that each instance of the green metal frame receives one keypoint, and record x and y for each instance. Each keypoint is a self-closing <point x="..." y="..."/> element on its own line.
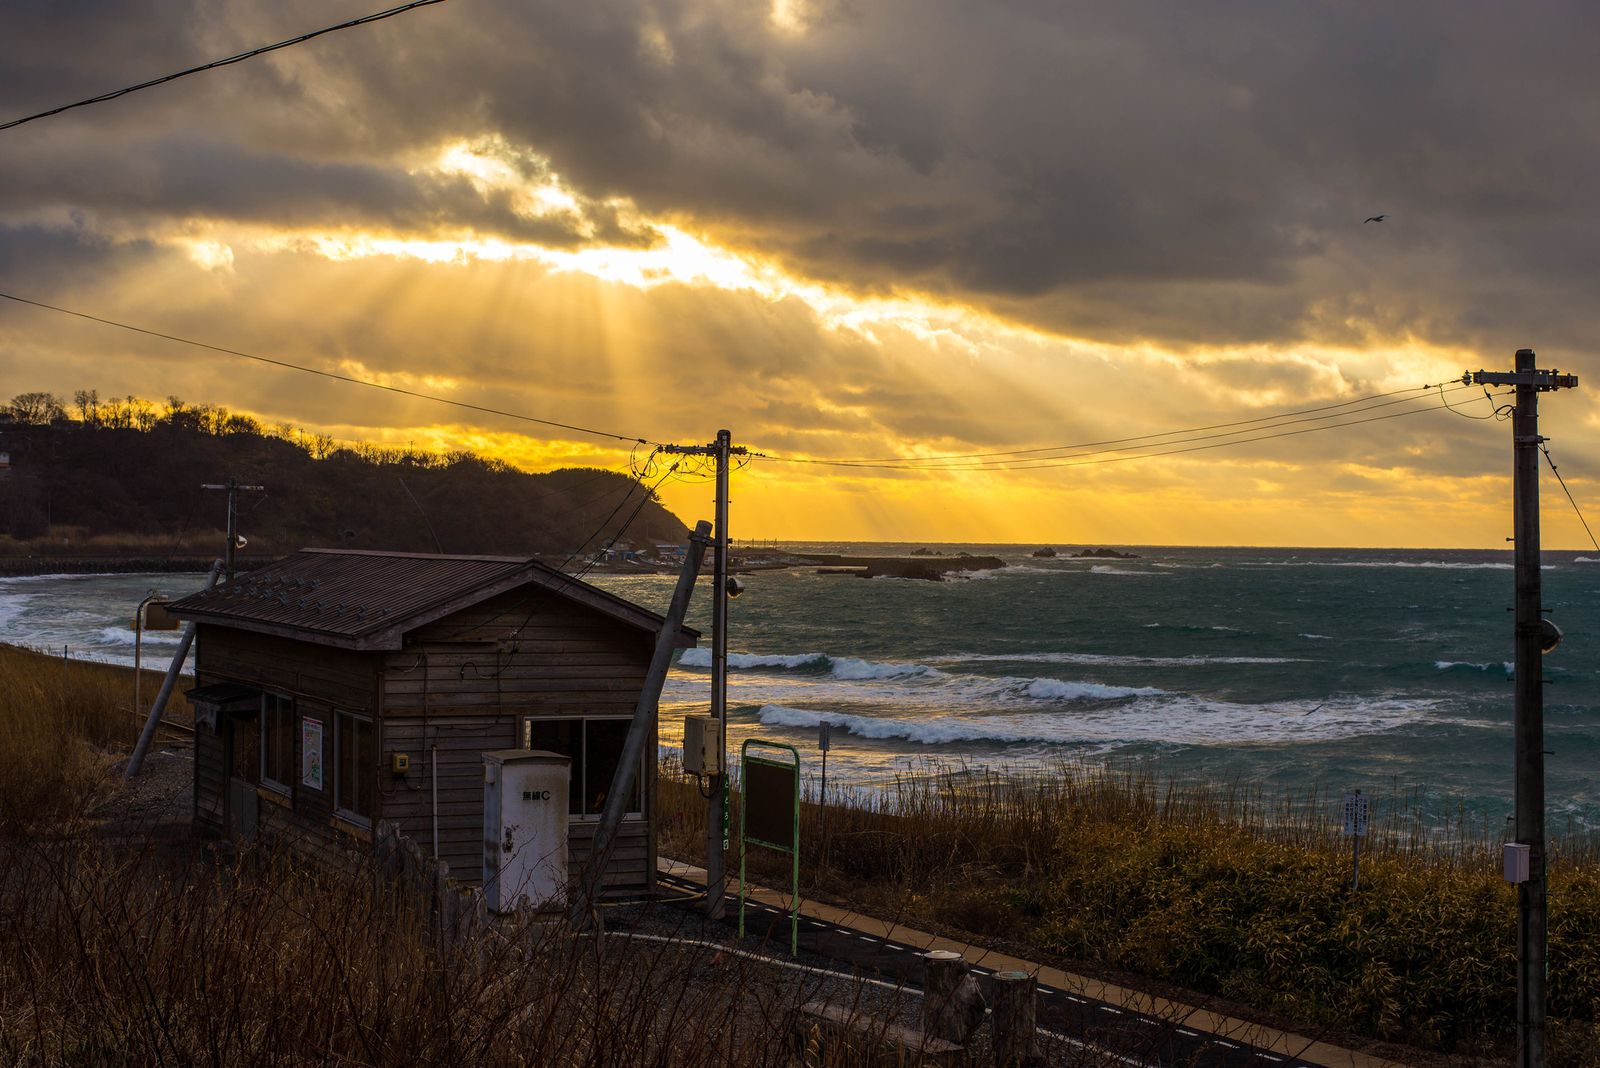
<point x="792" y="848"/>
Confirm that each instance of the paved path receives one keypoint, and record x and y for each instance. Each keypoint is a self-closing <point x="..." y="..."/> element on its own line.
<point x="1141" y="1028"/>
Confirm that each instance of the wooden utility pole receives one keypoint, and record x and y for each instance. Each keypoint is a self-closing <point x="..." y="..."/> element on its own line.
<point x="1529" y="645"/>
<point x="233" y="486"/>
<point x="717" y="825"/>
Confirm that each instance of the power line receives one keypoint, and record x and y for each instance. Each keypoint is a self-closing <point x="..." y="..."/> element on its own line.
<point x="1094" y="457"/>
<point x="331" y="374"/>
<point x="1549" y="460"/>
<point x="1028" y="463"/>
<point x="114" y="94"/>
<point x="1226" y="444"/>
<point x="935" y="457"/>
<point x="1494" y="413"/>
<point x="532" y="599"/>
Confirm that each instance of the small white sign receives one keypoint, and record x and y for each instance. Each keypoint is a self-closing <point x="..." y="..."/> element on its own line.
<point x="1515" y="858"/>
<point x="311" y="752"/>
<point x="1355" y="815"/>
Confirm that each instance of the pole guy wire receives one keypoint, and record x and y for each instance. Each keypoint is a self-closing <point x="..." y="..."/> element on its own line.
<point x="377" y="16"/>
<point x="1551" y="461"/>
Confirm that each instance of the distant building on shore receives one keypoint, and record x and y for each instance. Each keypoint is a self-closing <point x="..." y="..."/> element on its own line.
<point x="339" y="688"/>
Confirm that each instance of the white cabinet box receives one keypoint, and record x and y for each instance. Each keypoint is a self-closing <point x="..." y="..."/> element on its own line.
<point x="525" y="829"/>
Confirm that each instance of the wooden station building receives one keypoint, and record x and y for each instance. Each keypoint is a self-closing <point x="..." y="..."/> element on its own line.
<point x="337" y="688"/>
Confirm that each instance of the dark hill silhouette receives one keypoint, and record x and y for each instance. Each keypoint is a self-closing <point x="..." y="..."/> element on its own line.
<point x="123" y="479"/>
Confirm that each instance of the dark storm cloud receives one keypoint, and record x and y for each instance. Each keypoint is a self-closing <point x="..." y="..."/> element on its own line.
<point x="1183" y="172"/>
<point x="180" y="178"/>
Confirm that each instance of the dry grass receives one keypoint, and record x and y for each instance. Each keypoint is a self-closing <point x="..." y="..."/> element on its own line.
<point x="66" y="541"/>
<point x="63" y="725"/>
<point x="136" y="960"/>
<point x="1220" y="889"/>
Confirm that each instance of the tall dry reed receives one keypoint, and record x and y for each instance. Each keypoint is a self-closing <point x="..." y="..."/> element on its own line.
<point x="63" y="724"/>
<point x="148" y="959"/>
<point x="1223" y="888"/>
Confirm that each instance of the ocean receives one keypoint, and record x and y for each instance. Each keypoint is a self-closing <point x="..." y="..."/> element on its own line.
<point x="1381" y="670"/>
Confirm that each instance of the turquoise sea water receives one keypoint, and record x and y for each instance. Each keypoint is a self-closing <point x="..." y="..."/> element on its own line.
<point x="1376" y="669"/>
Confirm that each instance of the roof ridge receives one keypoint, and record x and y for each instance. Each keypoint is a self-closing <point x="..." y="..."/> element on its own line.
<point x="396" y="555"/>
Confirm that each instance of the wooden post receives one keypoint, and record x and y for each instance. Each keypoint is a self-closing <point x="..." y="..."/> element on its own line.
<point x="952" y="1004"/>
<point x="142" y="746"/>
<point x="1015" y="1001"/>
<point x="645" y="713"/>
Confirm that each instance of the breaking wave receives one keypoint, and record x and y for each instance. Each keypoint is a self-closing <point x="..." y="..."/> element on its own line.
<point x="13" y="606"/>
<point x="1192" y="627"/>
<point x="125" y="636"/>
<point x="1452" y="665"/>
<point x="844" y="668"/>
<point x="1167" y="719"/>
<point x="1112" y="659"/>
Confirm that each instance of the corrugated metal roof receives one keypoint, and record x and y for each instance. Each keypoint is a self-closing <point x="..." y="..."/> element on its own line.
<point x="362" y="599"/>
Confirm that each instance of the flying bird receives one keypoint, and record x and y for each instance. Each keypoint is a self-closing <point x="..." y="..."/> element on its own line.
<point x="1375" y="218"/>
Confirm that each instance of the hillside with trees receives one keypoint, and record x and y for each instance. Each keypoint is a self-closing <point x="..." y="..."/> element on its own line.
<point x="122" y="478"/>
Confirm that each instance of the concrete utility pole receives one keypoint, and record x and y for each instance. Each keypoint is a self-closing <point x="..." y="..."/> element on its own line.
<point x="717" y="805"/>
<point x="1530" y="644"/>
<point x="233" y="487"/>
<point x="646" y="713"/>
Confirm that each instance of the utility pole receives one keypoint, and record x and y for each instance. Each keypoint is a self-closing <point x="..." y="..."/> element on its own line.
<point x="717" y="804"/>
<point x="1530" y="645"/>
<point x="233" y="486"/>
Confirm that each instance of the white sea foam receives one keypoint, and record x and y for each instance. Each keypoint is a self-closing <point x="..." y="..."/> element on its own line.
<point x="851" y="669"/>
<point x="1318" y="637"/>
<point x="1169" y="719"/>
<point x="1112" y="659"/>
<point x="1192" y="626"/>
<point x="1444" y="565"/>
<point x="12" y="606"/>
<point x="935" y="730"/>
<point x="1446" y="665"/>
<point x="844" y="668"/>
<point x="1107" y="569"/>
<point x="701" y="658"/>
<point x="125" y="636"/>
<point x="19" y="580"/>
<point x="1586" y="559"/>
<point x="1062" y="690"/>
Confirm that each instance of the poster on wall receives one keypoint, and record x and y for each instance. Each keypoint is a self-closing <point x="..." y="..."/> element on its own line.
<point x="311" y="752"/>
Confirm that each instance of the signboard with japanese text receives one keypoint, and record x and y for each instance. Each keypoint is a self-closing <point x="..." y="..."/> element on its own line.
<point x="1355" y="815"/>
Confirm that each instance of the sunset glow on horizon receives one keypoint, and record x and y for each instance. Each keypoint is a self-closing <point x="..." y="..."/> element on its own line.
<point x="662" y="221"/>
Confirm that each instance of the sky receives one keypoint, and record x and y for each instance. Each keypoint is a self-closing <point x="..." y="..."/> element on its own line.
<point x="844" y="230"/>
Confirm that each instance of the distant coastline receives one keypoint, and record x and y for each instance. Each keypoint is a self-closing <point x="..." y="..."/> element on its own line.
<point x="21" y="566"/>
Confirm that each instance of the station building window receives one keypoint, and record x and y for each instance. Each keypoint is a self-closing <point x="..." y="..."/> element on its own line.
<point x="278" y="726"/>
<point x="594" y="744"/>
<point x="354" y="756"/>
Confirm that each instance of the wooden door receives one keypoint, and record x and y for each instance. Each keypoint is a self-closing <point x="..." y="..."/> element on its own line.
<point x="242" y="745"/>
